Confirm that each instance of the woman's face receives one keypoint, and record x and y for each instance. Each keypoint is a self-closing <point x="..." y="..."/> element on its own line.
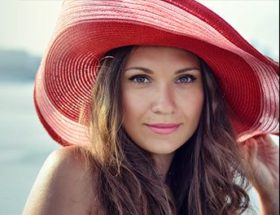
<point x="162" y="96"/>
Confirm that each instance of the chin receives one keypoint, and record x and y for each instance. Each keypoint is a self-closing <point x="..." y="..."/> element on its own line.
<point x="162" y="149"/>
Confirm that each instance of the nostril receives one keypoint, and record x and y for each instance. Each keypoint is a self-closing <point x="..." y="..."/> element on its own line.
<point x="163" y="108"/>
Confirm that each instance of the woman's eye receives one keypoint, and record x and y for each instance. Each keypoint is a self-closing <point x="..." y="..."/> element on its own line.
<point x="186" y="79"/>
<point x="139" y="79"/>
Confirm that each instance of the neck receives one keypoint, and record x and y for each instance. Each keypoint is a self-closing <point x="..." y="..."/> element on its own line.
<point x="162" y="164"/>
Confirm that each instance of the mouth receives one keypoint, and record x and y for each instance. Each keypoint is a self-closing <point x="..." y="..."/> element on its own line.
<point x="163" y="128"/>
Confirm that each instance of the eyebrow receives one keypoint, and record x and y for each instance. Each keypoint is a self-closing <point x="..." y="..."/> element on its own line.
<point x="146" y="70"/>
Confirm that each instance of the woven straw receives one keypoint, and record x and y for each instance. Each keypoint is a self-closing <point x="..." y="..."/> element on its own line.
<point x="87" y="29"/>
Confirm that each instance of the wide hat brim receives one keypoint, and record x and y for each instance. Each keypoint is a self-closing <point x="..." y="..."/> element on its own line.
<point x="87" y="29"/>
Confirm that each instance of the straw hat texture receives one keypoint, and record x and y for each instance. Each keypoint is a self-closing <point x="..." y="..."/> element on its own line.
<point x="87" y="29"/>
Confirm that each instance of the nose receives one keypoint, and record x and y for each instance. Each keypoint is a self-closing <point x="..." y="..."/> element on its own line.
<point x="164" y="100"/>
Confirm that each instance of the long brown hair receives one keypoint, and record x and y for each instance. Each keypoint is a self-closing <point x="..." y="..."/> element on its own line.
<point x="203" y="174"/>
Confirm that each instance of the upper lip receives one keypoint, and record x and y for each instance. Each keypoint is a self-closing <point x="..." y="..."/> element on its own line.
<point x="164" y="125"/>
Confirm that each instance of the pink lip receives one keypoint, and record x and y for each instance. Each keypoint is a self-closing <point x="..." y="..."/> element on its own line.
<point x="163" y="128"/>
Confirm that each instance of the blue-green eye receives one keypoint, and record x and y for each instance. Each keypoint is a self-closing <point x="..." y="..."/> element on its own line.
<point x="185" y="79"/>
<point x="139" y="79"/>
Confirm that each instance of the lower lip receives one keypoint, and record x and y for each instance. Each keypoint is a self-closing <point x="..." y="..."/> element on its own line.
<point x="163" y="130"/>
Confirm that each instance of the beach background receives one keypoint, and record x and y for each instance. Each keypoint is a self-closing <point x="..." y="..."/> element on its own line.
<point x="25" y="29"/>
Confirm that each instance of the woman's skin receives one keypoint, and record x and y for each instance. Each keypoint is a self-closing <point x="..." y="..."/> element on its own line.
<point x="156" y="91"/>
<point x="261" y="159"/>
<point x="65" y="186"/>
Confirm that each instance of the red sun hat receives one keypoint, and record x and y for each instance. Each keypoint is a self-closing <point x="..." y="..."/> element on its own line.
<point x="87" y="29"/>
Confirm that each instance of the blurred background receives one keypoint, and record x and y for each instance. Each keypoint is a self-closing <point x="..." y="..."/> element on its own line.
<point x="26" y="27"/>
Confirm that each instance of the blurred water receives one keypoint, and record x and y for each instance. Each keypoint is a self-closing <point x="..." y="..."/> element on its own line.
<point x="24" y="147"/>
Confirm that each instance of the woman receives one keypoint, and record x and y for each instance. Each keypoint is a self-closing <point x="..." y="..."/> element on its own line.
<point x="167" y="113"/>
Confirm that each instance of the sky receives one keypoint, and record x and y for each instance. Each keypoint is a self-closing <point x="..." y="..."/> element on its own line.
<point x="28" y="24"/>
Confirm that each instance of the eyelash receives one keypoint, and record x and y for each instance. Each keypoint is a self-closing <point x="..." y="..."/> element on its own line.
<point x="134" y="78"/>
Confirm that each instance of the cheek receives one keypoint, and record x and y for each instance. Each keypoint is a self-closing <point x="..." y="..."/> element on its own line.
<point x="193" y="104"/>
<point x="133" y="105"/>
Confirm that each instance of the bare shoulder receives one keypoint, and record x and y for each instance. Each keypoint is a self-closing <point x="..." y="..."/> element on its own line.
<point x="69" y="160"/>
<point x="64" y="185"/>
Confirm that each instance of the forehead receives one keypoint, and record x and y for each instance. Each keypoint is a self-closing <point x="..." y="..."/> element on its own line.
<point x="161" y="54"/>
